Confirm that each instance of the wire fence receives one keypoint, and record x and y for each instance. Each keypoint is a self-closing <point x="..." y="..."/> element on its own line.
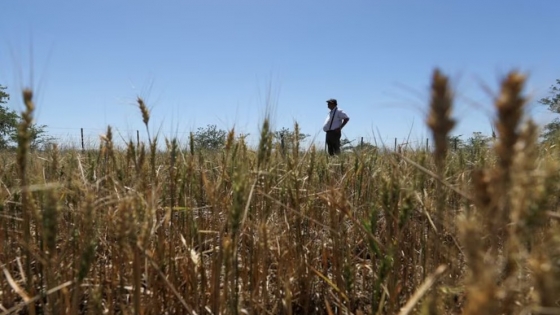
<point x="91" y="138"/>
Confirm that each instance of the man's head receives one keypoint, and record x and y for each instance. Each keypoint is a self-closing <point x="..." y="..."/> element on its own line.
<point x="331" y="103"/>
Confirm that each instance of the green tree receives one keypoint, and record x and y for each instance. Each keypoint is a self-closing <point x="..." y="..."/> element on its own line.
<point x="551" y="131"/>
<point x="39" y="137"/>
<point x="209" y="138"/>
<point x="285" y="137"/>
<point x="455" y="142"/>
<point x="477" y="143"/>
<point x="9" y="121"/>
<point x="365" y="146"/>
<point x="4" y="97"/>
<point x="346" y="145"/>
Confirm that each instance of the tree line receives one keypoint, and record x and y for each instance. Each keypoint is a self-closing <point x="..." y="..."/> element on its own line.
<point x="213" y="138"/>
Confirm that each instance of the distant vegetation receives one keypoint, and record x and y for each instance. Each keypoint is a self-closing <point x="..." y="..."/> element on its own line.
<point x="9" y="120"/>
<point x="467" y="227"/>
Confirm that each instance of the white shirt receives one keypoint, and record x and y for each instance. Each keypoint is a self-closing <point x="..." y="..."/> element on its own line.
<point x="339" y="116"/>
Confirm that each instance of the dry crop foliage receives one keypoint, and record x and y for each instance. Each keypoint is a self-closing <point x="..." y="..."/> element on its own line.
<point x="252" y="231"/>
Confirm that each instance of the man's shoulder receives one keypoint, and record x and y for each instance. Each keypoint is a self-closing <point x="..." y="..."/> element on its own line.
<point x="341" y="111"/>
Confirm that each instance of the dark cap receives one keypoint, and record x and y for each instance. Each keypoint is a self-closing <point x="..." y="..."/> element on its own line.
<point x="332" y="100"/>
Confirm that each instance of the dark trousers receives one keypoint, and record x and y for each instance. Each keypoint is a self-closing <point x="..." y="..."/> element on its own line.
<point x="333" y="141"/>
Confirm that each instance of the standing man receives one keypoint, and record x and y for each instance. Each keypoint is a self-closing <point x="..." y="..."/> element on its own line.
<point x="334" y="123"/>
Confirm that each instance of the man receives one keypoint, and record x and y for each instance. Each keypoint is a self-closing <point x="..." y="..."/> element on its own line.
<point x="334" y="123"/>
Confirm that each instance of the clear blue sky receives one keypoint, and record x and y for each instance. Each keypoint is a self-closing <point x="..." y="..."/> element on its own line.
<point x="220" y="62"/>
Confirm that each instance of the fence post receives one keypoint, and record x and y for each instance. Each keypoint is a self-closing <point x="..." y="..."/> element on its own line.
<point x="82" y="137"/>
<point x="282" y="143"/>
<point x="395" y="144"/>
<point x="137" y="138"/>
<point x="427" y="144"/>
<point x="362" y="142"/>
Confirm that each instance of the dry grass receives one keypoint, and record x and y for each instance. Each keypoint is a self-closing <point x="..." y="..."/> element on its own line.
<point x="242" y="231"/>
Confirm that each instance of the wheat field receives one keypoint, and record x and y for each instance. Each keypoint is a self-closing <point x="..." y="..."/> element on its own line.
<point x="141" y="230"/>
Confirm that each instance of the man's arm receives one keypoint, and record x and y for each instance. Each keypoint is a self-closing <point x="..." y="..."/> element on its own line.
<point x="344" y="122"/>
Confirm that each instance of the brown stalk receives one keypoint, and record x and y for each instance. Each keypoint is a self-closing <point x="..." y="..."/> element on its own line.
<point x="24" y="140"/>
<point x="440" y="123"/>
<point x="439" y="118"/>
<point x="428" y="282"/>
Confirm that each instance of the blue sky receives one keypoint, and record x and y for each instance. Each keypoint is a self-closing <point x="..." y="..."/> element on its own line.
<point x="229" y="62"/>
